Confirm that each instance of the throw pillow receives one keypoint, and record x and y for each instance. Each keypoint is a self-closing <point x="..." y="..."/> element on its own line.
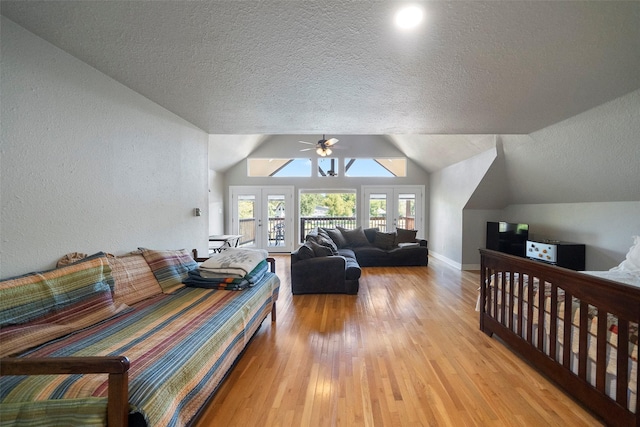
<point x="170" y="267"/>
<point x="323" y="239"/>
<point x="355" y="238"/>
<point x="305" y="252"/>
<point x="319" y="250"/>
<point x="134" y="280"/>
<point x="405" y="236"/>
<point x="337" y="237"/>
<point x="385" y="241"/>
<point x="371" y="234"/>
<point x="38" y="307"/>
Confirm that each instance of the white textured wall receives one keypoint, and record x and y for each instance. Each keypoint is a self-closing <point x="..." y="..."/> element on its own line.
<point x="450" y="190"/>
<point x="605" y="228"/>
<point x="216" y="202"/>
<point x="577" y="180"/>
<point x="89" y="165"/>
<point x="591" y="157"/>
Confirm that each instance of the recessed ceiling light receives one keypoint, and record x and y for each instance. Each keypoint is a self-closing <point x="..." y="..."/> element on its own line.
<point x="409" y="17"/>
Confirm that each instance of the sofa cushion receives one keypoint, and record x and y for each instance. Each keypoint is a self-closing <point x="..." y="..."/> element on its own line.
<point x="355" y="238"/>
<point x="373" y="257"/>
<point x="385" y="241"/>
<point x="405" y="236"/>
<point x="134" y="280"/>
<point x="38" y="307"/>
<point x="337" y="237"/>
<point x="170" y="267"/>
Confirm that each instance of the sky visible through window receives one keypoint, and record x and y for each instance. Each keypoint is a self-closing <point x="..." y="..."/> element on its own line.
<point x="297" y="167"/>
<point x="359" y="168"/>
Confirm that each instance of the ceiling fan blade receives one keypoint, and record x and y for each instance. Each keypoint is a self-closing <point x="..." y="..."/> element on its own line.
<point x="305" y="142"/>
<point x="330" y="142"/>
<point x="306" y="149"/>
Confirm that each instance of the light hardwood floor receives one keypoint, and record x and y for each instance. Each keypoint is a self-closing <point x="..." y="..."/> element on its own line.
<point x="405" y="351"/>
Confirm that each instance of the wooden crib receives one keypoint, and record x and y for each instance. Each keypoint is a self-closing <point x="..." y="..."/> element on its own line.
<point x="598" y="365"/>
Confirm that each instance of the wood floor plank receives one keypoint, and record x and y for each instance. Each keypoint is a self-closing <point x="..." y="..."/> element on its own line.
<point x="405" y="351"/>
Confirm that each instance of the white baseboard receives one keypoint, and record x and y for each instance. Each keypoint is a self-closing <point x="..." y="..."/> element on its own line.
<point x="446" y="260"/>
<point x="453" y="263"/>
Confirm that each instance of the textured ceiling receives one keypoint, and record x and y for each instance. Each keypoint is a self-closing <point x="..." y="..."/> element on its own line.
<point x="340" y="67"/>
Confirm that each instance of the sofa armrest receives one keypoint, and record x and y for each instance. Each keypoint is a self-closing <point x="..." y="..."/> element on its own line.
<point x="313" y="275"/>
<point x="422" y="242"/>
<point x="116" y="367"/>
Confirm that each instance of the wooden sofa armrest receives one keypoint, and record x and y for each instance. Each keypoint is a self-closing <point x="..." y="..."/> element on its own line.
<point x="116" y="367"/>
<point x="196" y="257"/>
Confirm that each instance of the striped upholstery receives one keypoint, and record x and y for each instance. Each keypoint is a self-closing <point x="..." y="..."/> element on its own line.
<point x="134" y="280"/>
<point x="38" y="307"/>
<point x="180" y="347"/>
<point x="68" y="412"/>
<point x="170" y="267"/>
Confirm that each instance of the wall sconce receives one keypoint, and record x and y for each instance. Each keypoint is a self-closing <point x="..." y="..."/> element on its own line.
<point x="197" y="212"/>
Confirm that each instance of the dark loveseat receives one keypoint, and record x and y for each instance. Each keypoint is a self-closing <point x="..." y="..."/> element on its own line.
<point x="330" y="259"/>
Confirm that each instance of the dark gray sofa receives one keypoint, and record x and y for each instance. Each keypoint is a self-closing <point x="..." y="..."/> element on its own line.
<point x="330" y="259"/>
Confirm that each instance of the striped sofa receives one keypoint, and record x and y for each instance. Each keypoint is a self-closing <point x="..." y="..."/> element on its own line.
<point x="129" y="344"/>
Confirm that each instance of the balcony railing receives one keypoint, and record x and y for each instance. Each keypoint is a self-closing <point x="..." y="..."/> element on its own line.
<point x="309" y="223"/>
<point x="276" y="226"/>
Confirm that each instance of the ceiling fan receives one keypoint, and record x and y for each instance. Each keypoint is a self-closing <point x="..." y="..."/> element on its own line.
<point x="322" y="147"/>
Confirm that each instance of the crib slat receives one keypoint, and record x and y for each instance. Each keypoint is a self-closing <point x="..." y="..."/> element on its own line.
<point x="582" y="340"/>
<point x="520" y="304"/>
<point x="511" y="298"/>
<point x="530" y="303"/>
<point x="601" y="355"/>
<point x="622" y="381"/>
<point x="540" y="304"/>
<point x="503" y="298"/>
<point x="553" y="322"/>
<point x="566" y="333"/>
<point x="485" y="291"/>
<point x="495" y="296"/>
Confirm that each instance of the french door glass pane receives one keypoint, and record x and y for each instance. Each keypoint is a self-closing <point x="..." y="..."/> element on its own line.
<point x="247" y="218"/>
<point x="378" y="211"/>
<point x="326" y="210"/>
<point x="276" y="223"/>
<point x="406" y="211"/>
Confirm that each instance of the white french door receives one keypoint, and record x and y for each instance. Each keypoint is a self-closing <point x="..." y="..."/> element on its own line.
<point x="391" y="207"/>
<point x="263" y="216"/>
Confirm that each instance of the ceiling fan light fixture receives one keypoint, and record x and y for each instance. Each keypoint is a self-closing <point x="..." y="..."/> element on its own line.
<point x="322" y="146"/>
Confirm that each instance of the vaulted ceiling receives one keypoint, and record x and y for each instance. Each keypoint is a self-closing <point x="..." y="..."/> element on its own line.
<point x="341" y="67"/>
